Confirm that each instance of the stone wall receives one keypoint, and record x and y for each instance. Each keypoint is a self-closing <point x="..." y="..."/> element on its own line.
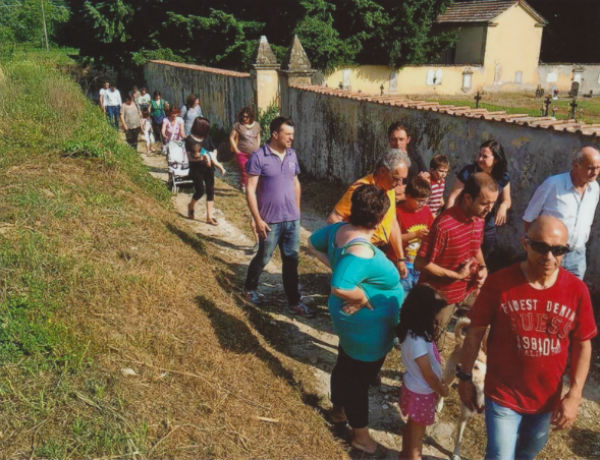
<point x="222" y="92"/>
<point x="340" y="138"/>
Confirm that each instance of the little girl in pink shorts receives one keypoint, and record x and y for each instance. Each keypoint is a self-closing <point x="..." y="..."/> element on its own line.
<point x="422" y="382"/>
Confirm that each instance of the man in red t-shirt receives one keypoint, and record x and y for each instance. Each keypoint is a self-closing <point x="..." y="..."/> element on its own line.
<point x="450" y="258"/>
<point x="537" y="312"/>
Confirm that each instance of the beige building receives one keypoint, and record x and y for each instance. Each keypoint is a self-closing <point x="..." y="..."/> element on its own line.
<point x="498" y="49"/>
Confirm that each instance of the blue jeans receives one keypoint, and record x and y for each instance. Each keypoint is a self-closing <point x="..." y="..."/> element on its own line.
<point x="112" y="113"/>
<point x="413" y="277"/>
<point x="286" y="235"/>
<point x="512" y="435"/>
<point x="574" y="261"/>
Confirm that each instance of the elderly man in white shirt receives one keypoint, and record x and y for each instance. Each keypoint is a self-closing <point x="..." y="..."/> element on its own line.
<point x="572" y="197"/>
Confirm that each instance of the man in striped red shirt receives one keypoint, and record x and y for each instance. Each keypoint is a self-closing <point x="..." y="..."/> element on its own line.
<point x="450" y="258"/>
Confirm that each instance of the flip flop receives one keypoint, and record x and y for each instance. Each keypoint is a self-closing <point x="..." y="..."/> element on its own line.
<point x="362" y="448"/>
<point x="212" y="221"/>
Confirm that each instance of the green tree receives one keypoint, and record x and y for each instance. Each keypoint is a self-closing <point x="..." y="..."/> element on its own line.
<point x="22" y="21"/>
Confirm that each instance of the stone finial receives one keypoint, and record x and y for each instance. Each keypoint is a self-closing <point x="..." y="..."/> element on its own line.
<point x="297" y="58"/>
<point x="265" y="55"/>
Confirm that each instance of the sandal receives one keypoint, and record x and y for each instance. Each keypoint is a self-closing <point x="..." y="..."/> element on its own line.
<point x="212" y="221"/>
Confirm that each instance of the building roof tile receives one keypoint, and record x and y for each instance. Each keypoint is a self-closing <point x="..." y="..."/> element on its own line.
<point x="483" y="11"/>
<point x="462" y="111"/>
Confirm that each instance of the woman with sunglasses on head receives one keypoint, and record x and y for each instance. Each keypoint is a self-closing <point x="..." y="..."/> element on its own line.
<point x="489" y="159"/>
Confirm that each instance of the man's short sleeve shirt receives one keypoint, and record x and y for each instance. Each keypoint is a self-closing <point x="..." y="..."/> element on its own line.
<point x="384" y="229"/>
<point x="453" y="239"/>
<point x="531" y="331"/>
<point x="276" y="192"/>
<point x="557" y="197"/>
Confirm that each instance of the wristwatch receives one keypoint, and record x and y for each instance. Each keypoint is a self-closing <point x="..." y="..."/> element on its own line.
<point x="462" y="375"/>
<point x="400" y="259"/>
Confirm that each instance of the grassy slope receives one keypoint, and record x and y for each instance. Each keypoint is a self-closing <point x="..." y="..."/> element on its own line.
<point x="98" y="276"/>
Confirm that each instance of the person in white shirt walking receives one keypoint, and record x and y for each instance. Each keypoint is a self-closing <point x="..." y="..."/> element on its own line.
<point x="102" y="94"/>
<point x="572" y="197"/>
<point x="112" y="101"/>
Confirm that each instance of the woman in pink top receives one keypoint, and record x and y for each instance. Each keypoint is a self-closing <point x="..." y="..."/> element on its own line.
<point x="172" y="127"/>
<point x="244" y="140"/>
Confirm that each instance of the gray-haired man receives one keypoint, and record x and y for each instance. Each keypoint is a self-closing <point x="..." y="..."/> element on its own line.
<point x="390" y="171"/>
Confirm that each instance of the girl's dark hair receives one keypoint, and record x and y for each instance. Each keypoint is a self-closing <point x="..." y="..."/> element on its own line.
<point x="156" y="94"/>
<point x="418" y="313"/>
<point x="248" y="111"/>
<point x="190" y="101"/>
<point x="500" y="166"/>
<point x="369" y="205"/>
<point x="200" y="127"/>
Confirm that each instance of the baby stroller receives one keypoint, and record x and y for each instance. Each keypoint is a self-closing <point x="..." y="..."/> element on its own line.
<point x="179" y="167"/>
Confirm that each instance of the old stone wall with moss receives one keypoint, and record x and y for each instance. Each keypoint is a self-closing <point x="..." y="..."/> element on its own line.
<point x="340" y="139"/>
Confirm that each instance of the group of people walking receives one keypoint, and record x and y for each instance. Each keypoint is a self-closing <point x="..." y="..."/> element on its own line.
<point x="405" y="260"/>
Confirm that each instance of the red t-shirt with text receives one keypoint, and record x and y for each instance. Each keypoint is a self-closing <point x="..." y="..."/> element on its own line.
<point x="531" y="331"/>
<point x="412" y="222"/>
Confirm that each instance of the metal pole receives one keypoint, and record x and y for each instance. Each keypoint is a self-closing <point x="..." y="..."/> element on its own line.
<point x="44" y="22"/>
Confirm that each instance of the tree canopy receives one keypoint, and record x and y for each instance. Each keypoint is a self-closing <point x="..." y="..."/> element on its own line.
<point x="225" y="34"/>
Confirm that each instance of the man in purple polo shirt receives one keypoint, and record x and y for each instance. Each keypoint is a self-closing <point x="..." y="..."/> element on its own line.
<point x="273" y="194"/>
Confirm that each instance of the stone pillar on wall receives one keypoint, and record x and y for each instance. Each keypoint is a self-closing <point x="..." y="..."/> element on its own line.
<point x="265" y="76"/>
<point x="296" y="71"/>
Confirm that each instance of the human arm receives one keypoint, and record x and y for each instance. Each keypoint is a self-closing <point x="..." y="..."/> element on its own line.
<point x="182" y="129"/>
<point x="536" y="203"/>
<point x="122" y="118"/>
<point x="297" y="191"/>
<point x="261" y="226"/>
<point x="319" y="255"/>
<point x="505" y="204"/>
<point x="470" y="349"/>
<point x="216" y="162"/>
<point x="233" y="140"/>
<point x="429" y="376"/>
<point x="101" y="101"/>
<point x="437" y="270"/>
<point x="482" y="271"/>
<point x="318" y="243"/>
<point x="419" y="234"/>
<point x="163" y="130"/>
<point x="581" y="354"/>
<point x="396" y="243"/>
<point x="334" y="217"/>
<point x="456" y="189"/>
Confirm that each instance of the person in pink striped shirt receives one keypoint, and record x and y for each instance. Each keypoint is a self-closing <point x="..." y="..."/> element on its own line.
<point x="438" y="170"/>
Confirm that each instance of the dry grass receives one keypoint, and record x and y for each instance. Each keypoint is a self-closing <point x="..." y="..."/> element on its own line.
<point x="98" y="277"/>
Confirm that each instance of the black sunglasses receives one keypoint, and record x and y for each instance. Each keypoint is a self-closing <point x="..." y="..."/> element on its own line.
<point x="543" y="248"/>
<point x="400" y="180"/>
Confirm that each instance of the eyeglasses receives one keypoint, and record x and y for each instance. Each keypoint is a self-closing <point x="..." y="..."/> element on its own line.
<point x="543" y="248"/>
<point x="400" y="180"/>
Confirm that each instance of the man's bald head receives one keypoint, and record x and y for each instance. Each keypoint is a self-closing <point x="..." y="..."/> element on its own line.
<point x="548" y="227"/>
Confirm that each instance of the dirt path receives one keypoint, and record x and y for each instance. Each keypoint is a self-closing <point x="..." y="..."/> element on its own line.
<point x="313" y="344"/>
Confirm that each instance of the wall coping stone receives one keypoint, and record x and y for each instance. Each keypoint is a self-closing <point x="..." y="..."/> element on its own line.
<point x="571" y="126"/>
<point x="181" y="65"/>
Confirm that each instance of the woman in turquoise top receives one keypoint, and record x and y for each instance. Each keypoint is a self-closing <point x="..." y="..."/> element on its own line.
<point x="364" y="304"/>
